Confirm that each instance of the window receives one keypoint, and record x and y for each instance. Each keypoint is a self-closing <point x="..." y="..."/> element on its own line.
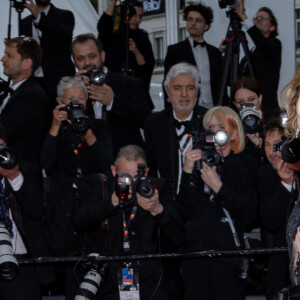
<point x="159" y="50"/>
<point x="298" y="27"/>
<point x="182" y="34"/>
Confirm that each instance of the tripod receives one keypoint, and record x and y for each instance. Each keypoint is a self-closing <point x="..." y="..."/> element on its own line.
<point x="234" y="38"/>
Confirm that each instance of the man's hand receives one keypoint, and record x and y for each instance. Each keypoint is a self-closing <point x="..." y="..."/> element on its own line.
<point x="285" y="173"/>
<point x="114" y="199"/>
<point x="240" y="9"/>
<point x="210" y="177"/>
<point x="10" y="174"/>
<point x="101" y="93"/>
<point x="32" y="7"/>
<point x="150" y="204"/>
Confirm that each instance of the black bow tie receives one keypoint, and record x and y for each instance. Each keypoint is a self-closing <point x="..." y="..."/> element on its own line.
<point x="199" y="43"/>
<point x="186" y="124"/>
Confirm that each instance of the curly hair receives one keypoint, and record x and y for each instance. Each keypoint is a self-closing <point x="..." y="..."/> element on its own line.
<point x="206" y="11"/>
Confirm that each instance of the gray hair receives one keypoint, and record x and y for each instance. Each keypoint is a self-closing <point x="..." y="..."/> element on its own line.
<point x="131" y="153"/>
<point x="182" y="68"/>
<point x="70" y="81"/>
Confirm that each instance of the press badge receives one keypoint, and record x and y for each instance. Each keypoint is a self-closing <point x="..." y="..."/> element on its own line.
<point x="128" y="279"/>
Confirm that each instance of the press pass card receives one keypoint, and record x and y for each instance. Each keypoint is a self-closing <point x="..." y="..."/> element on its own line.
<point x="128" y="284"/>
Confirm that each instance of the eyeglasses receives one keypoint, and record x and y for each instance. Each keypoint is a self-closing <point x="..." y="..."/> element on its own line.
<point x="261" y="17"/>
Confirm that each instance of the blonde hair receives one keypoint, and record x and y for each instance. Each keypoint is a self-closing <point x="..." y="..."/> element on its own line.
<point x="291" y="91"/>
<point x="230" y="119"/>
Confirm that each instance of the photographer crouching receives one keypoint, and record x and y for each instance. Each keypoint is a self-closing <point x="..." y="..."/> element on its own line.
<point x="76" y="148"/>
<point x="141" y="219"/>
<point x="217" y="203"/>
<point x="21" y="212"/>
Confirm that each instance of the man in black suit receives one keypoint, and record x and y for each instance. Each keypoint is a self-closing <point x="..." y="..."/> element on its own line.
<point x="120" y="99"/>
<point x="275" y="187"/>
<point x="194" y="50"/>
<point x="25" y="210"/>
<point x="24" y="110"/>
<point x="266" y="57"/>
<point x="168" y="132"/>
<point x="52" y="28"/>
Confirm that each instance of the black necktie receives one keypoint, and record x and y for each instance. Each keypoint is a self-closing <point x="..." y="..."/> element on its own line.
<point x="199" y="43"/>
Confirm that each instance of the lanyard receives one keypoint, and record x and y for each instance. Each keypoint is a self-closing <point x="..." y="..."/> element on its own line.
<point x="126" y="244"/>
<point x="181" y="149"/>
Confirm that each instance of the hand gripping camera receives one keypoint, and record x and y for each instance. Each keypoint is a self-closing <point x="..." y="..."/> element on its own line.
<point x="139" y="184"/>
<point x="78" y="117"/>
<point x="206" y="141"/>
<point x="96" y="76"/>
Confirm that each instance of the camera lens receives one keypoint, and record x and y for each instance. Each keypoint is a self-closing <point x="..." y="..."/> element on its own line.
<point x="145" y="188"/>
<point x="8" y="157"/>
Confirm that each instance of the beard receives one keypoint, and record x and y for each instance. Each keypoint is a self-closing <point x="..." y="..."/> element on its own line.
<point x="42" y="3"/>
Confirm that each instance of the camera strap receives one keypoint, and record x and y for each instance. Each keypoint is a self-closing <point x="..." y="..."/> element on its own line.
<point x="126" y="243"/>
<point x="234" y="233"/>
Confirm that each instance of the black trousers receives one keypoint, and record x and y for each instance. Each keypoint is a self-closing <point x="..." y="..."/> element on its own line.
<point x="25" y="287"/>
<point x="212" y="279"/>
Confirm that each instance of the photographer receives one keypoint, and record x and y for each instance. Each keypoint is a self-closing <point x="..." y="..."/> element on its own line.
<point x="212" y="200"/>
<point x="120" y="100"/>
<point x="151" y="222"/>
<point x="277" y="198"/>
<point x="247" y="98"/>
<point x="52" y="28"/>
<point x="75" y="148"/>
<point x="140" y="55"/>
<point x="266" y="57"/>
<point x="25" y="210"/>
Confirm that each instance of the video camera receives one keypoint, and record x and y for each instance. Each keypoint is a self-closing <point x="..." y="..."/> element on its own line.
<point x="77" y="115"/>
<point x="139" y="184"/>
<point x="127" y="9"/>
<point x="206" y="141"/>
<point x="96" y="76"/>
<point x="226" y="3"/>
<point x="250" y="117"/>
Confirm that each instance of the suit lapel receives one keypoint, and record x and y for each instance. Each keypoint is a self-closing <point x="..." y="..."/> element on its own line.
<point x="188" y="52"/>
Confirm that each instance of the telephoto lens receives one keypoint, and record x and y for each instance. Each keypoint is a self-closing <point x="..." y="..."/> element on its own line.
<point x="9" y="267"/>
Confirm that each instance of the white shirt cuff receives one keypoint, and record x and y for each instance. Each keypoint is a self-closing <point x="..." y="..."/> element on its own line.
<point x="108" y="108"/>
<point x="17" y="182"/>
<point x="247" y="24"/>
<point x="287" y="186"/>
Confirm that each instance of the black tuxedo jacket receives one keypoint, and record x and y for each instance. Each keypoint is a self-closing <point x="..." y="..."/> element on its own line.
<point x="57" y="30"/>
<point x="182" y="52"/>
<point x="266" y="63"/>
<point x="27" y="211"/>
<point x="129" y="110"/>
<point x="161" y="141"/>
<point x="23" y="119"/>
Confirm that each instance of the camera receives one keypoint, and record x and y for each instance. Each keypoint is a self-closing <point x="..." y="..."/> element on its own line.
<point x="278" y="146"/>
<point x="290" y="151"/>
<point x="128" y="10"/>
<point x="96" y="76"/>
<point x="90" y="284"/>
<point x="206" y="141"/>
<point x="9" y="267"/>
<point x="139" y="184"/>
<point x="8" y="157"/>
<point x="225" y="3"/>
<point x="250" y="117"/>
<point x="18" y="5"/>
<point x="78" y="117"/>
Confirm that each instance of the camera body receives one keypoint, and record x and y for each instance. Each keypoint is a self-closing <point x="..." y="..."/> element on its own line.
<point x="205" y="141"/>
<point x="290" y="151"/>
<point x="96" y="76"/>
<point x="139" y="184"/>
<point x="77" y="115"/>
<point x="18" y="5"/>
<point x="250" y="118"/>
<point x="128" y="10"/>
<point x="225" y="3"/>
